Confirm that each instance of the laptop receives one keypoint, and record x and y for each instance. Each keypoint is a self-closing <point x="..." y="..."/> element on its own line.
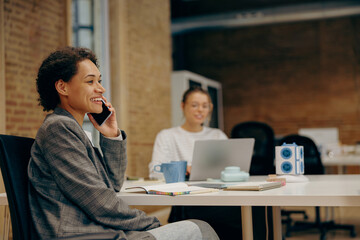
<point x="210" y="157"/>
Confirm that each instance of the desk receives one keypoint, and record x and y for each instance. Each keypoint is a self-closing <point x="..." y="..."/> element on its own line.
<point x="341" y="161"/>
<point x="321" y="190"/>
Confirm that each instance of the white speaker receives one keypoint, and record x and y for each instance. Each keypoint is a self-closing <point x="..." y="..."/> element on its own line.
<point x="289" y="159"/>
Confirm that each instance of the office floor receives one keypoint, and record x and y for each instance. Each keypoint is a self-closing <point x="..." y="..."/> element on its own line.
<point x="342" y="215"/>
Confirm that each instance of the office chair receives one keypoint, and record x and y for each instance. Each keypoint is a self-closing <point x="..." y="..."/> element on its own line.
<point x="313" y="165"/>
<point x="14" y="159"/>
<point x="262" y="162"/>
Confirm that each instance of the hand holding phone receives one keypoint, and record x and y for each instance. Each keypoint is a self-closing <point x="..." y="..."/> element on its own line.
<point x="100" y="118"/>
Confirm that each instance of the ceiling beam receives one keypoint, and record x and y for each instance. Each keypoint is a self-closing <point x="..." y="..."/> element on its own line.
<point x="256" y="17"/>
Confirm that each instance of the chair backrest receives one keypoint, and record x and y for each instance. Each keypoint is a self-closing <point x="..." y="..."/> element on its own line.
<point x="312" y="159"/>
<point x="262" y="161"/>
<point x="14" y="159"/>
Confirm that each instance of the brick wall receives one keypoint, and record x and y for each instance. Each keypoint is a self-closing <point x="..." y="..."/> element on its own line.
<point x="142" y="65"/>
<point x="2" y="71"/>
<point x="290" y="76"/>
<point x="150" y="69"/>
<point x="32" y="30"/>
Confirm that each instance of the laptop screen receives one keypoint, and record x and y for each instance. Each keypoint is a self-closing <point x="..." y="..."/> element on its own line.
<point x="210" y="157"/>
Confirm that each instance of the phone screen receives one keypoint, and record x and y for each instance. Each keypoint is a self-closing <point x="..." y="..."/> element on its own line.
<point x="100" y="118"/>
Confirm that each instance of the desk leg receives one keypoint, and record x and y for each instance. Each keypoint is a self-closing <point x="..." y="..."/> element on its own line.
<point x="277" y="222"/>
<point x="246" y="219"/>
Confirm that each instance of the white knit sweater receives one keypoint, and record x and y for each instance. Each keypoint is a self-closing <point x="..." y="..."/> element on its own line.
<point x="175" y="144"/>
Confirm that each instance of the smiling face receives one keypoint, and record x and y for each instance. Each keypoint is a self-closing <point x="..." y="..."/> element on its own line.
<point x="196" y="108"/>
<point x="83" y="93"/>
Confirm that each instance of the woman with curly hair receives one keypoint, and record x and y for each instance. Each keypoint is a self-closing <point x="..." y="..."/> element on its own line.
<point x="73" y="187"/>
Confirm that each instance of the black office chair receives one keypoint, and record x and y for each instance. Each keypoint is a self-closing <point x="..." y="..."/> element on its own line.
<point x="313" y="165"/>
<point x="262" y="162"/>
<point x="14" y="159"/>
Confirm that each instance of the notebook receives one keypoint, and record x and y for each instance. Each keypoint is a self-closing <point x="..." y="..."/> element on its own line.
<point x="210" y="157"/>
<point x="253" y="186"/>
<point x="173" y="189"/>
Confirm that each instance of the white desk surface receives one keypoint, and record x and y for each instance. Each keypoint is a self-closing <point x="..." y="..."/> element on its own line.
<point x="321" y="190"/>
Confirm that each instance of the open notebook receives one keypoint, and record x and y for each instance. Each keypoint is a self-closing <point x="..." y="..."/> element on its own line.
<point x="173" y="189"/>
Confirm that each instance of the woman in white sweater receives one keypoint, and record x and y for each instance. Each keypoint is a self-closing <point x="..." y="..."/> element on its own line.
<point x="177" y="143"/>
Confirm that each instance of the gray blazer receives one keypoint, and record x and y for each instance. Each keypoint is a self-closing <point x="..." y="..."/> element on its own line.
<point x="73" y="188"/>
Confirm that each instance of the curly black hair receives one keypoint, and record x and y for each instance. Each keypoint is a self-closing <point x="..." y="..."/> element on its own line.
<point x="61" y="64"/>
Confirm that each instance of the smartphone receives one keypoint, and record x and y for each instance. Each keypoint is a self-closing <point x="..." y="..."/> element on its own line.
<point x="100" y="118"/>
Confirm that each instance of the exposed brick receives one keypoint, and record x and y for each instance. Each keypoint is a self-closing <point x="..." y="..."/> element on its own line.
<point x="148" y="54"/>
<point x="32" y="30"/>
<point x="291" y="75"/>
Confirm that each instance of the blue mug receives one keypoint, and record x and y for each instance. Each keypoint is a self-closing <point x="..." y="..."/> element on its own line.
<point x="183" y="166"/>
<point x="173" y="171"/>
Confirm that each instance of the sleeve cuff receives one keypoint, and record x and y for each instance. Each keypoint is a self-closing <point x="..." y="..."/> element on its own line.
<point x="119" y="137"/>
